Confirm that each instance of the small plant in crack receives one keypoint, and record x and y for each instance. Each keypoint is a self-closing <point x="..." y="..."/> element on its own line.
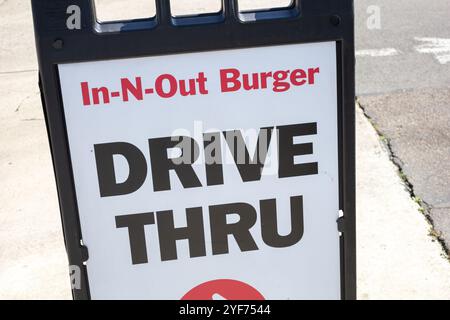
<point x="384" y="139"/>
<point x="417" y="200"/>
<point x="434" y="233"/>
<point x="403" y="176"/>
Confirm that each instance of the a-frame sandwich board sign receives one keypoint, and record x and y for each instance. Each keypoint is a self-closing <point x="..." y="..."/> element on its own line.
<point x="202" y="155"/>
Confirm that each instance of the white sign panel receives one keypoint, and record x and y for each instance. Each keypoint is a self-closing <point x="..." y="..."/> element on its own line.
<point x="208" y="175"/>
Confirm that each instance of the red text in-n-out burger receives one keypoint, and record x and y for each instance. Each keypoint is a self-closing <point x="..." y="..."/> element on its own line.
<point x="166" y="86"/>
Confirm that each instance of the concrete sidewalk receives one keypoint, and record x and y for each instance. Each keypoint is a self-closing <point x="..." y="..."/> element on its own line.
<point x="397" y="259"/>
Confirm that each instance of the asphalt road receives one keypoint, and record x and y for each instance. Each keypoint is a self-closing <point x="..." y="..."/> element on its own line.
<point x="403" y="84"/>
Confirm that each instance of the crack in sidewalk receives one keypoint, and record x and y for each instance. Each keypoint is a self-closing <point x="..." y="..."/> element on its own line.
<point x="424" y="207"/>
<point x="23" y="101"/>
<point x="17" y="71"/>
<point x="32" y="119"/>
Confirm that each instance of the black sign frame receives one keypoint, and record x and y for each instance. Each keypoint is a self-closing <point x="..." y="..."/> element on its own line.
<point x="305" y="21"/>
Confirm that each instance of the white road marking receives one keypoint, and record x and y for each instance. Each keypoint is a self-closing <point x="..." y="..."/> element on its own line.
<point x="439" y="47"/>
<point x="385" y="52"/>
